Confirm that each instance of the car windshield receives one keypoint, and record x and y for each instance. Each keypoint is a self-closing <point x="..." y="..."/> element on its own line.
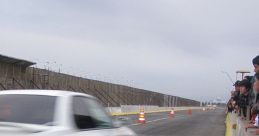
<point x="29" y="109"/>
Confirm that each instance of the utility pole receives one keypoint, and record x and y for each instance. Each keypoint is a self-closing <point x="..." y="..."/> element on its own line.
<point x="229" y="77"/>
<point x="242" y="72"/>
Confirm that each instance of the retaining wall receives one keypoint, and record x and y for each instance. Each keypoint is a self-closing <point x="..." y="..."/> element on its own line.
<point x="110" y="95"/>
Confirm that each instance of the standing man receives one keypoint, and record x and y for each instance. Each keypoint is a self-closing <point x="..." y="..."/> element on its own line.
<point x="256" y="88"/>
<point x="253" y="95"/>
<point x="256" y="64"/>
<point x="255" y="109"/>
<point x="256" y="84"/>
<point x="256" y="70"/>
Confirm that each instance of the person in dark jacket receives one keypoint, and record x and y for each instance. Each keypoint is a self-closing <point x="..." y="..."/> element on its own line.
<point x="236" y="92"/>
<point x="256" y="84"/>
<point x="253" y="95"/>
<point x="255" y="109"/>
<point x="256" y="64"/>
<point x="254" y="121"/>
<point x="244" y="86"/>
<point x="236" y="97"/>
<point x="230" y="105"/>
<point x="256" y="70"/>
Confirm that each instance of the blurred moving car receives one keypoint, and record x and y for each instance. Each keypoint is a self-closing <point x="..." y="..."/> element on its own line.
<point x="55" y="113"/>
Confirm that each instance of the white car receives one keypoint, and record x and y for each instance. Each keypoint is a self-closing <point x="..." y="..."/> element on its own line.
<point x="55" y="113"/>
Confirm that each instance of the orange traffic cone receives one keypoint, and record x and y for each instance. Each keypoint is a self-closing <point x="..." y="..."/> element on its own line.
<point x="171" y="114"/>
<point x="141" y="118"/>
<point x="190" y="111"/>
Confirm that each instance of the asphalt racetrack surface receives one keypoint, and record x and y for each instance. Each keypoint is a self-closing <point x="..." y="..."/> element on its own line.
<point x="199" y="123"/>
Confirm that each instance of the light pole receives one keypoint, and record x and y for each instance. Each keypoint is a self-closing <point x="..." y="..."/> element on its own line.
<point x="242" y="72"/>
<point x="229" y="77"/>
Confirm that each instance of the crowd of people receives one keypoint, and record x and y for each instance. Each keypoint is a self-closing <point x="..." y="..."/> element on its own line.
<point x="244" y="99"/>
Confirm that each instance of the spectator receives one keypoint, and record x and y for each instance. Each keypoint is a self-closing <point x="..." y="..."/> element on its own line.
<point x="256" y="70"/>
<point x="249" y="78"/>
<point x="253" y="95"/>
<point x="255" y="109"/>
<point x="256" y="87"/>
<point x="230" y="106"/>
<point x="256" y="84"/>
<point x="254" y="122"/>
<point x="256" y="64"/>
<point x="236" y="98"/>
<point x="244" y="86"/>
<point x="232" y="94"/>
<point x="248" y="92"/>
<point x="236" y="92"/>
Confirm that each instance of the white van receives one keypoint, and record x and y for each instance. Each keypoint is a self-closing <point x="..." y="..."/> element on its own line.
<point x="55" y="113"/>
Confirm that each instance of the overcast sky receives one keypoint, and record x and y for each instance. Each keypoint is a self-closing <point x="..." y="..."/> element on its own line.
<point x="177" y="47"/>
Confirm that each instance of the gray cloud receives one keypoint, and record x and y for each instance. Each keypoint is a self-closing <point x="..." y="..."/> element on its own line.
<point x="177" y="47"/>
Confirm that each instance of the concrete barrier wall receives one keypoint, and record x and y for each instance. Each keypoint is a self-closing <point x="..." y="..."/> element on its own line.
<point x="235" y="126"/>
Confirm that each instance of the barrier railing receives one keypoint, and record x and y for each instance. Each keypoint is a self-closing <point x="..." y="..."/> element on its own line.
<point x="235" y="126"/>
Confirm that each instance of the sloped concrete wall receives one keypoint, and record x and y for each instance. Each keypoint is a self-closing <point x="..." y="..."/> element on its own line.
<point x="110" y="95"/>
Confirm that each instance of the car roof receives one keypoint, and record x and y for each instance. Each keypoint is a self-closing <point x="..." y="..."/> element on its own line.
<point x="58" y="93"/>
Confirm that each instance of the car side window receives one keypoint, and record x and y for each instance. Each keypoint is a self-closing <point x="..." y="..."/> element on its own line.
<point x="98" y="113"/>
<point x="89" y="114"/>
